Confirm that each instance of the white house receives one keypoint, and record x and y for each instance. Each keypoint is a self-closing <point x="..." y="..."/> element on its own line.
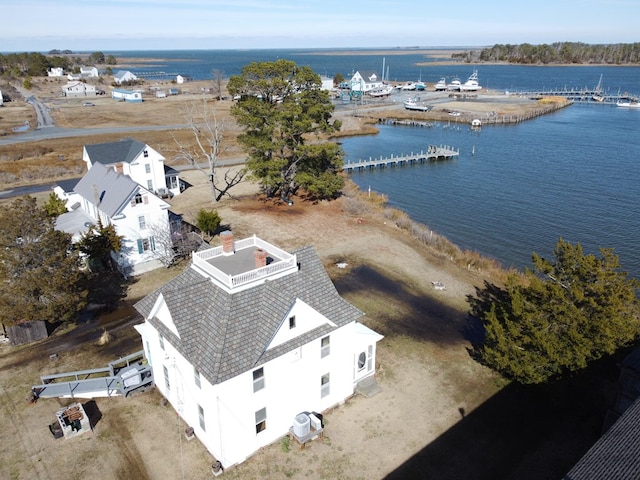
<point x="183" y="79"/>
<point x="327" y="83"/>
<point x="139" y="161"/>
<point x="123" y="76"/>
<point x="79" y="89"/>
<point x="365" y="82"/>
<point x="55" y="72"/>
<point x="139" y="216"/>
<point x="132" y="96"/>
<point x="248" y="337"/>
<point x="89" y="72"/>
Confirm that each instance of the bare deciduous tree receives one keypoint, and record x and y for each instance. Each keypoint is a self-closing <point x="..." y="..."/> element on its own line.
<point x="217" y="76"/>
<point x="203" y="154"/>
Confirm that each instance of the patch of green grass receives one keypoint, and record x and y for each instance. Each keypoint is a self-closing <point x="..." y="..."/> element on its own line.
<point x="285" y="444"/>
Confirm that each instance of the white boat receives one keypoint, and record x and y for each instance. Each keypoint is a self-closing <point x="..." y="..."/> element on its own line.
<point x="471" y="85"/>
<point x="441" y="85"/>
<point x="381" y="91"/>
<point x="455" y="85"/>
<point x="409" y="86"/>
<point x="415" y="104"/>
<point x="629" y="104"/>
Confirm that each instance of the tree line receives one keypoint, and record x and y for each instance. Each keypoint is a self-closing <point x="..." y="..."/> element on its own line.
<point x="556" y="53"/>
<point x="34" y="64"/>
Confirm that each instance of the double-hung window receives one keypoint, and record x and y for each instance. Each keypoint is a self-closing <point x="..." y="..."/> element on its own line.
<point x="325" y="385"/>
<point x="258" y="379"/>
<point x="261" y="420"/>
<point x="325" y="346"/>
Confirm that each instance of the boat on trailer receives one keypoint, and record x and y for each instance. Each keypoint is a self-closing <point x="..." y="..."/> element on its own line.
<point x="381" y="91"/>
<point x="415" y="104"/>
<point x="455" y="85"/>
<point x="471" y="85"/>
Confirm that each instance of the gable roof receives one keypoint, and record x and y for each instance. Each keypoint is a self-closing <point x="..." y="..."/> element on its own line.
<point x="226" y="334"/>
<point x="123" y="74"/>
<point x="616" y="454"/>
<point x="113" y="190"/>
<point x="367" y="76"/>
<point x="125" y="151"/>
<point x="69" y="185"/>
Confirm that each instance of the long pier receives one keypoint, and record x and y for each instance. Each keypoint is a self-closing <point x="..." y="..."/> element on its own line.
<point x="577" y="95"/>
<point x="433" y="154"/>
<point x="156" y="74"/>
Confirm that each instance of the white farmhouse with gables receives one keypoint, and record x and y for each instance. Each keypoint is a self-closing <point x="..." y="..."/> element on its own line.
<point x="247" y="338"/>
<point x="139" y="216"/>
<point x="141" y="162"/>
<point x="365" y="82"/>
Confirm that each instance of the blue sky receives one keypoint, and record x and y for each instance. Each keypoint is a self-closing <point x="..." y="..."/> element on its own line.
<point x="92" y="25"/>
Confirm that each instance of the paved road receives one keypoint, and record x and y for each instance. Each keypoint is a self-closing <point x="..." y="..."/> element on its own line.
<point x="46" y="129"/>
<point x="52" y="132"/>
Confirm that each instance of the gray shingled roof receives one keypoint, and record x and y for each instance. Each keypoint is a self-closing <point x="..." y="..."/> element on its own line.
<point x="67" y="186"/>
<point x="124" y="151"/>
<point x="616" y="455"/>
<point x="224" y="334"/>
<point x="112" y="190"/>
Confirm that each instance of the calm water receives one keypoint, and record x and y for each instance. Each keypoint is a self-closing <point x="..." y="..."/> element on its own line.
<point x="572" y="174"/>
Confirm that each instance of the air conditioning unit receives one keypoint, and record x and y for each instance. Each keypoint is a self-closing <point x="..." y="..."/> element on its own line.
<point x="301" y="425"/>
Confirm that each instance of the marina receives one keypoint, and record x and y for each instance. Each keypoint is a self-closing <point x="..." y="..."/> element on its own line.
<point x="433" y="154"/>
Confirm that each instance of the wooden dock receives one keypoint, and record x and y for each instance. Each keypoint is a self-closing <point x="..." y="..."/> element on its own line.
<point x="433" y="154"/>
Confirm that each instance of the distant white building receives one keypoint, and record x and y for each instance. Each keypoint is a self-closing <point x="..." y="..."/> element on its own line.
<point x="55" y="72"/>
<point x="89" y="72"/>
<point x="327" y="83"/>
<point x="183" y="79"/>
<point x="365" y="82"/>
<point x="78" y="89"/>
<point x="123" y="76"/>
<point x="133" y="96"/>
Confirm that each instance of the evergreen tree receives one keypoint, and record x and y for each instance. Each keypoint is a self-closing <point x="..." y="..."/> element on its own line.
<point x="208" y="221"/>
<point x="99" y="242"/>
<point x="281" y="108"/>
<point x="567" y="313"/>
<point x="55" y="206"/>
<point x="38" y="269"/>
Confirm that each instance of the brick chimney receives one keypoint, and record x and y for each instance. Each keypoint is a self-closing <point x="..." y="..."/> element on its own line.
<point x="227" y="242"/>
<point x="119" y="169"/>
<point x="260" y="257"/>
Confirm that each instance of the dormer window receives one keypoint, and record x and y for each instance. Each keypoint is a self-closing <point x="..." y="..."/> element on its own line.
<point x="138" y="199"/>
<point x="292" y="322"/>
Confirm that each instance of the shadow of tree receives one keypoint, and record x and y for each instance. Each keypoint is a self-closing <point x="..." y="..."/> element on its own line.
<point x="528" y="432"/>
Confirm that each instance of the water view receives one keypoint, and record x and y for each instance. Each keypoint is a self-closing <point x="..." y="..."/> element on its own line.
<point x="515" y="188"/>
